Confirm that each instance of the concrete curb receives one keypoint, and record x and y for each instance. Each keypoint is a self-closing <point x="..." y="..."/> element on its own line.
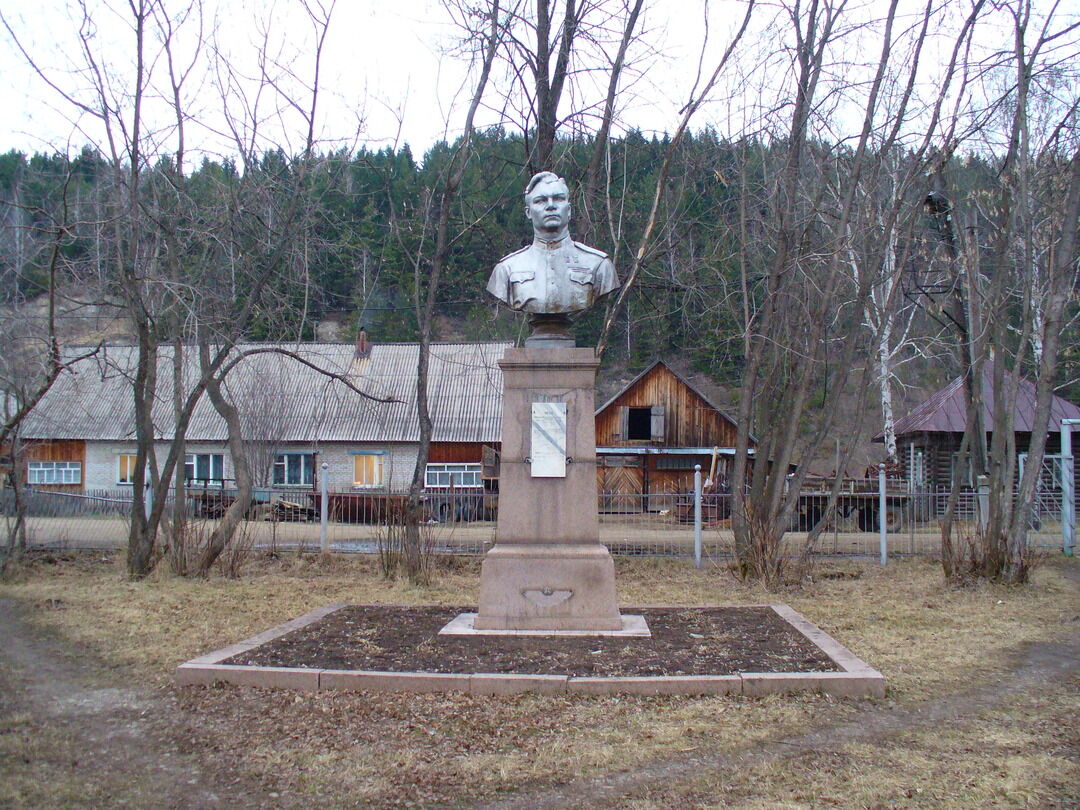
<point x="856" y="678"/>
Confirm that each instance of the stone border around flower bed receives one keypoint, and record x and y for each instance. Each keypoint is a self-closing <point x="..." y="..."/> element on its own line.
<point x="856" y="678"/>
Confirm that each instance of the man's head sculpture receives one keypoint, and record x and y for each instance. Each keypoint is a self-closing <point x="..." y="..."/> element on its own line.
<point x="547" y="204"/>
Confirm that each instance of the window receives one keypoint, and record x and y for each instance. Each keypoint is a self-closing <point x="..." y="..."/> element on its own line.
<point x="125" y="468"/>
<point x="679" y="463"/>
<point x="368" y="470"/>
<point x="965" y="469"/>
<point x="453" y="475"/>
<point x="54" y="472"/>
<point x="642" y="424"/>
<point x="204" y="468"/>
<point x="639" y="424"/>
<point x="294" y="469"/>
<point x="916" y="469"/>
<point x="1051" y="476"/>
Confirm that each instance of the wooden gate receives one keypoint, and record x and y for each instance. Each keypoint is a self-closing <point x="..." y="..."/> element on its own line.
<point x="621" y="482"/>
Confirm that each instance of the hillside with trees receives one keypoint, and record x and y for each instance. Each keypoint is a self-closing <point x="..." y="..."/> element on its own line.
<point x="363" y="218"/>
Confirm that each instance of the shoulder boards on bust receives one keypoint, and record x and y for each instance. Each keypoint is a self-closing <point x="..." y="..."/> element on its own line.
<point x="592" y="250"/>
<point x="515" y="253"/>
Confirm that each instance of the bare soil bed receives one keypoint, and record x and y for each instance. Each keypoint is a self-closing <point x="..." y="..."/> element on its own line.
<point x="684" y="641"/>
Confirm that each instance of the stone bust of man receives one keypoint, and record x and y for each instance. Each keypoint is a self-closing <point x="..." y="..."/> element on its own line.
<point x="554" y="277"/>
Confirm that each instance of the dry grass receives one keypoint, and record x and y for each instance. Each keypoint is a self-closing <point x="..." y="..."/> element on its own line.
<point x="341" y="749"/>
<point x="1025" y="755"/>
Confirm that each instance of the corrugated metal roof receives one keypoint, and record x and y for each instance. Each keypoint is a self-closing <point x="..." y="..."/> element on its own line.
<point x="945" y="412"/>
<point x="284" y="400"/>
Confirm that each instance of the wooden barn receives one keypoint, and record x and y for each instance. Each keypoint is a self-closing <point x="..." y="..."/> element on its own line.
<point x="928" y="439"/>
<point x="650" y="435"/>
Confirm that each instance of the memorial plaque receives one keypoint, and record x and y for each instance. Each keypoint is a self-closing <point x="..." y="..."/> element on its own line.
<point x="548" y="449"/>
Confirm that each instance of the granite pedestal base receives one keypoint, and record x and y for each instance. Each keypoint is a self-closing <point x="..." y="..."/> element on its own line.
<point x="556" y="586"/>
<point x="548" y="570"/>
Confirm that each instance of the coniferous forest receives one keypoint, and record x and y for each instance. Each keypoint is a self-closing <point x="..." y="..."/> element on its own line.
<point x="365" y="215"/>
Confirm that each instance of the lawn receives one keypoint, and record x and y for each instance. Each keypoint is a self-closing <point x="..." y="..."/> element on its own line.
<point x="951" y="731"/>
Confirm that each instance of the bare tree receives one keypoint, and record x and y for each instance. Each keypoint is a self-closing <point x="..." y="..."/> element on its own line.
<point x="190" y="271"/>
<point x="804" y="310"/>
<point x="1017" y="256"/>
<point x="645" y="243"/>
<point x="33" y="361"/>
<point x="428" y="269"/>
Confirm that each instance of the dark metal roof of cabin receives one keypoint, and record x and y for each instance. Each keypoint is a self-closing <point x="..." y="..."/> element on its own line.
<point x="944" y="412"/>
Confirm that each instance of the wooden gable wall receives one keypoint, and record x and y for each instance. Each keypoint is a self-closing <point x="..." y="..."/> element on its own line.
<point x="456" y="452"/>
<point x="689" y="421"/>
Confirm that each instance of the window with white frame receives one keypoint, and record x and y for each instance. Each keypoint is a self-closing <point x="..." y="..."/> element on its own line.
<point x="294" y="469"/>
<point x="125" y="468"/>
<point x="54" y="472"/>
<point x="204" y="468"/>
<point x="368" y="469"/>
<point x="453" y="475"/>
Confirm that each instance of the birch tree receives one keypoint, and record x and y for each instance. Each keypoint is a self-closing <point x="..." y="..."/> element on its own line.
<point x="1019" y="258"/>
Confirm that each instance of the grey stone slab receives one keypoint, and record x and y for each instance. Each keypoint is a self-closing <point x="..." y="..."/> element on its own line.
<point x="634" y="625"/>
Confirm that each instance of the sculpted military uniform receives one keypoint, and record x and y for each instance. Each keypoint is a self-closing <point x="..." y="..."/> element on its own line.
<point x="556" y="277"/>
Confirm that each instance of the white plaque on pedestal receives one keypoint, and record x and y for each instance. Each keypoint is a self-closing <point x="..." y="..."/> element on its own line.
<point x="548" y="450"/>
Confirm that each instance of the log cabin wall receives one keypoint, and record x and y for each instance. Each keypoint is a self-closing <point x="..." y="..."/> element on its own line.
<point x="939" y="449"/>
<point x="689" y="421"/>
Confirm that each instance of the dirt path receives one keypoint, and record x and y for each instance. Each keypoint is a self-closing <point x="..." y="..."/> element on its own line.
<point x="1042" y="663"/>
<point x="99" y="745"/>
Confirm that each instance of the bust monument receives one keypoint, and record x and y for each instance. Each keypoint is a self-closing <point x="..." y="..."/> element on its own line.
<point x="555" y="277"/>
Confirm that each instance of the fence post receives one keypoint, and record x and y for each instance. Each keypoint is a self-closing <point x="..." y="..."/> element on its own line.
<point x="983" y="502"/>
<point x="324" y="536"/>
<point x="697" y="515"/>
<point x="883" y="541"/>
<point x="1068" y="488"/>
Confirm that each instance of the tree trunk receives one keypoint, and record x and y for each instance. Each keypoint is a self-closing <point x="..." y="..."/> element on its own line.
<point x="223" y="533"/>
<point x="416" y="568"/>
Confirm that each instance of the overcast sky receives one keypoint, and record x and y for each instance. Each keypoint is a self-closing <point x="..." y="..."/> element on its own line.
<point x="387" y="73"/>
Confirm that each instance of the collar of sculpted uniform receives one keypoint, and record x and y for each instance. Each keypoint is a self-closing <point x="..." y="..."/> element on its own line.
<point x="556" y="242"/>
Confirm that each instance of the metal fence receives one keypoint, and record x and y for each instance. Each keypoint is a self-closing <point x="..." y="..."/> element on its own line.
<point x="464" y="521"/>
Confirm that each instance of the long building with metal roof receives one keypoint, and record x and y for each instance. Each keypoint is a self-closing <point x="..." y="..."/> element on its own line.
<point x="292" y="398"/>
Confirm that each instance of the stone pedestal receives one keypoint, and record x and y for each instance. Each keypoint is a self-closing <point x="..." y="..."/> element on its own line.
<point x="548" y="569"/>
